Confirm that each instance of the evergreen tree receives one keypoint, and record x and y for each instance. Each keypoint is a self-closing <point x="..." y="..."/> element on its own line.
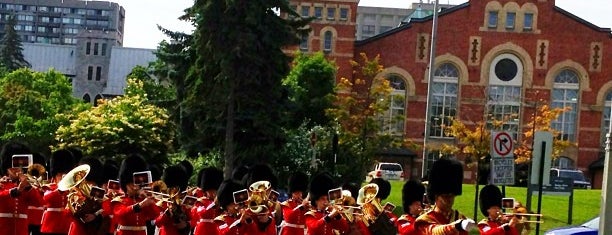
<point x="234" y="92"/>
<point x="11" y="55"/>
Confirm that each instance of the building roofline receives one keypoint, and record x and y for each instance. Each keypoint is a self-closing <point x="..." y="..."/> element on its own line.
<point x="409" y="25"/>
<point x="580" y="20"/>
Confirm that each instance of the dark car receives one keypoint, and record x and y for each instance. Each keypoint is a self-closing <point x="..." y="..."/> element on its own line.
<point x="588" y="228"/>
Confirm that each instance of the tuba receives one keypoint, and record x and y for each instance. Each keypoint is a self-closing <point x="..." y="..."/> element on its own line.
<point x="80" y="202"/>
<point x="371" y="208"/>
<point x="36" y="175"/>
<point x="258" y="202"/>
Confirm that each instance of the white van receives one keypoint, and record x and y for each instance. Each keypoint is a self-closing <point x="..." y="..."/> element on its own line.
<point x="577" y="175"/>
<point x="387" y="171"/>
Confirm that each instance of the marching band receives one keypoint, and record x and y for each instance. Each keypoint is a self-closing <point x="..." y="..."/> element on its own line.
<point x="95" y="198"/>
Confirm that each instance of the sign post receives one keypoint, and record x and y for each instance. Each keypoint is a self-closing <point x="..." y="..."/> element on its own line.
<point x="502" y="160"/>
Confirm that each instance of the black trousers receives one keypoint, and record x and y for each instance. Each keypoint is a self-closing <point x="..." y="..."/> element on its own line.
<point x="34" y="229"/>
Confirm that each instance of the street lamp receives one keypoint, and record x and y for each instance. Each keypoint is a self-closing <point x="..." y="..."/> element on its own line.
<point x="430" y="78"/>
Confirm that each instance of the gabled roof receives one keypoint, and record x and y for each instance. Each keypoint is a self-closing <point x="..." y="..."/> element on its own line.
<point x="409" y="25"/>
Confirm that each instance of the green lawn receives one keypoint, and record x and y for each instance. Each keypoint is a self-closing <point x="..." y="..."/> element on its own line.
<point x="554" y="208"/>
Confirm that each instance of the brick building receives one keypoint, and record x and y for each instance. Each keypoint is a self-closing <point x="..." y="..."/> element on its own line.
<point x="501" y="58"/>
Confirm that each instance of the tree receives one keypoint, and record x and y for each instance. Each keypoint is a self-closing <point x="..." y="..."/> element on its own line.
<point x="121" y="126"/>
<point x="311" y="88"/>
<point x="11" y="56"/>
<point x="359" y="103"/>
<point x="157" y="92"/>
<point x="233" y="93"/>
<point x="33" y="105"/>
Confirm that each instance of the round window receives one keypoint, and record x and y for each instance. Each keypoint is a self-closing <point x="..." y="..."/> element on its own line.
<point x="506" y="69"/>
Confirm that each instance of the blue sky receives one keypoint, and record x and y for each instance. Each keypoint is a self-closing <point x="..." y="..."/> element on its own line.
<point x="142" y="16"/>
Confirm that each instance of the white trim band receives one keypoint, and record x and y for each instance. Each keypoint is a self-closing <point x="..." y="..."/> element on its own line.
<point x="11" y="215"/>
<point x="132" y="228"/>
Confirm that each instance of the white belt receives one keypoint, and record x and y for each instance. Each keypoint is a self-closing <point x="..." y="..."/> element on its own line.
<point x="55" y="209"/>
<point x="110" y="216"/>
<point x="36" y="208"/>
<point x="132" y="228"/>
<point x="283" y="224"/>
<point x="206" y="221"/>
<point x="10" y="215"/>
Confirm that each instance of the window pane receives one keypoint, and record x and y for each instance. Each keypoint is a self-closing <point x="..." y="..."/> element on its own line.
<point x="328" y="41"/>
<point x="510" y="20"/>
<point x="305" y="11"/>
<point x="493" y="19"/>
<point x="528" y="23"/>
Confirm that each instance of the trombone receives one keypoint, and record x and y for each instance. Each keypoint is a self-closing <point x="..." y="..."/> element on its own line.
<point x="522" y="217"/>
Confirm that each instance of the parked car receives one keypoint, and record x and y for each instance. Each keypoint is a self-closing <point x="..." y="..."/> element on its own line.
<point x="387" y="171"/>
<point x="588" y="228"/>
<point x="577" y="175"/>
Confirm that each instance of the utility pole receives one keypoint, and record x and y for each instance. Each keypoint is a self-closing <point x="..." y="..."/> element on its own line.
<point x="605" y="213"/>
<point x="430" y="78"/>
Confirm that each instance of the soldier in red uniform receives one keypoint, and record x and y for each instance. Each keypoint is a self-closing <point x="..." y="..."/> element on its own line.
<point x="207" y="209"/>
<point x="16" y="194"/>
<point x="113" y="195"/>
<point x="135" y="208"/>
<point x="412" y="200"/>
<point x="93" y="220"/>
<point x="490" y="206"/>
<point x="56" y="218"/>
<point x="295" y="207"/>
<point x="385" y="223"/>
<point x="445" y="182"/>
<point x="175" y="218"/>
<point x="323" y="218"/>
<point x="35" y="212"/>
<point x="229" y="220"/>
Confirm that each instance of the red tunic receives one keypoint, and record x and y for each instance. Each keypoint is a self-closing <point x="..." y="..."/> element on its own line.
<point x="206" y="212"/>
<point x="56" y="218"/>
<point x="434" y="223"/>
<point x="130" y="221"/>
<point x="293" y="218"/>
<point x="35" y="212"/>
<point x="405" y="225"/>
<point x="166" y="226"/>
<point x="13" y="217"/>
<point x="224" y="222"/>
<point x="317" y="223"/>
<point x="491" y="227"/>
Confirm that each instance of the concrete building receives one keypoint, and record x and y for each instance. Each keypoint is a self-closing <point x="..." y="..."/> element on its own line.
<point x="60" y="21"/>
<point x="502" y="58"/>
<point x="96" y="66"/>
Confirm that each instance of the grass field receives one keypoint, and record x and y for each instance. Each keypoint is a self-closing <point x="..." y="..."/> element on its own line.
<point x="554" y="208"/>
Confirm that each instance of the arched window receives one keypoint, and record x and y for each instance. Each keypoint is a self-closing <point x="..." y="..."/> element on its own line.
<point x="444" y="99"/>
<point x="565" y="94"/>
<point x="327" y="44"/>
<point x="605" y="128"/>
<point x="504" y="93"/>
<point x="98" y="97"/>
<point x="86" y="98"/>
<point x="392" y="121"/>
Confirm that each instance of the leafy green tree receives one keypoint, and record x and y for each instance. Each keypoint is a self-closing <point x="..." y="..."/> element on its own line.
<point x="157" y="91"/>
<point x="120" y="126"/>
<point x="234" y="94"/>
<point x="33" y="105"/>
<point x="11" y="56"/>
<point x="360" y="101"/>
<point x="174" y="59"/>
<point x="311" y="87"/>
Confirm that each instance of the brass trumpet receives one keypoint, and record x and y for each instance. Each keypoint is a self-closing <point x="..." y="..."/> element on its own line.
<point x="522" y="217"/>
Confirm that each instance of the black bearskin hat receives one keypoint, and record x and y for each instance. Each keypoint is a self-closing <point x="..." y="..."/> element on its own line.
<point x="239" y="172"/>
<point x="61" y="162"/>
<point x="225" y="194"/>
<point x="489" y="196"/>
<point x="156" y="172"/>
<point x="446" y="176"/>
<point x="77" y="154"/>
<point x="298" y="181"/>
<point x="384" y="187"/>
<point x="175" y="176"/>
<point x="351" y="187"/>
<point x="261" y="172"/>
<point x="412" y="192"/>
<point x="187" y="167"/>
<point x="38" y="158"/>
<point x="320" y="186"/>
<point x="210" y="178"/>
<point x="96" y="173"/>
<point x="8" y="150"/>
<point x="131" y="164"/>
<point x="111" y="171"/>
